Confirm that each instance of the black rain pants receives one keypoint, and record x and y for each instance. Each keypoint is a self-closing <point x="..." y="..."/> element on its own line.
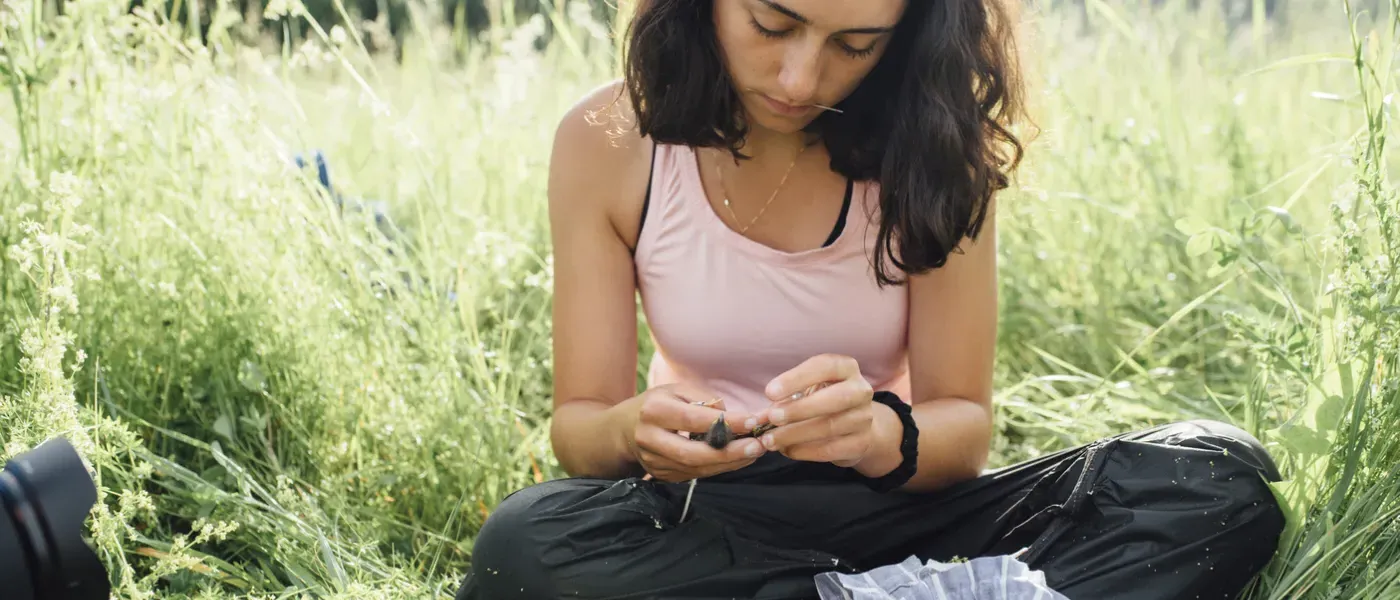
<point x="1179" y="511"/>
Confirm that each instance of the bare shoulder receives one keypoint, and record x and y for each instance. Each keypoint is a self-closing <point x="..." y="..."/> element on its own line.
<point x="600" y="163"/>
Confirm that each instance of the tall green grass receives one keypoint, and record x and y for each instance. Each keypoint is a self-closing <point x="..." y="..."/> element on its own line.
<point x="277" y="396"/>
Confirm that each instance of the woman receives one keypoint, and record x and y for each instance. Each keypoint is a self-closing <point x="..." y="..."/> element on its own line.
<point x="803" y="193"/>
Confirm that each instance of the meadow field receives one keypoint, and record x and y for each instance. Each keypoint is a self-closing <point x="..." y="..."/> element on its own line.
<point x="290" y="393"/>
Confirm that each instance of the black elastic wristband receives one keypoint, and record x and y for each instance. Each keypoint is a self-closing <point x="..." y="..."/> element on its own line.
<point x="908" y="446"/>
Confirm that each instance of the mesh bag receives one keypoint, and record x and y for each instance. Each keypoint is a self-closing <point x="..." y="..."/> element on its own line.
<point x="985" y="578"/>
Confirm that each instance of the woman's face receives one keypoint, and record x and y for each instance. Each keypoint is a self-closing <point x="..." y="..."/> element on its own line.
<point x="786" y="56"/>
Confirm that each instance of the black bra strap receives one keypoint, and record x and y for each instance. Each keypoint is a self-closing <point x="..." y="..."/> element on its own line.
<point x="841" y="221"/>
<point x="646" y="201"/>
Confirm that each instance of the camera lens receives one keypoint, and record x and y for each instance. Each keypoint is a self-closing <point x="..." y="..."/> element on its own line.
<point x="47" y="494"/>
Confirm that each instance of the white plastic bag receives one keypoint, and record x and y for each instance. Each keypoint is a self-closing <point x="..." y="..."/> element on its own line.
<point x="984" y="578"/>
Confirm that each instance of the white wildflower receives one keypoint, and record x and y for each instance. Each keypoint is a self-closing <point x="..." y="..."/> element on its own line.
<point x="276" y="9"/>
<point x="28" y="180"/>
<point x="24" y="254"/>
<point x="64" y="298"/>
<point x="63" y="183"/>
<point x="338" y="36"/>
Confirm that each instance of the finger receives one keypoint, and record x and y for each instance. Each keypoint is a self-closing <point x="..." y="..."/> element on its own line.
<point x="707" y="470"/>
<point x="831" y="400"/>
<point x="679" y="415"/>
<point x="656" y="463"/>
<point x="823" y="368"/>
<point x="660" y="467"/>
<point x="695" y="394"/>
<point x="670" y="476"/>
<point x="826" y="427"/>
<point x="681" y="473"/>
<point x="738" y="420"/>
<point x="831" y="450"/>
<point x="725" y="468"/>
<point x="692" y="454"/>
<point x="694" y="418"/>
<point x="664" y="468"/>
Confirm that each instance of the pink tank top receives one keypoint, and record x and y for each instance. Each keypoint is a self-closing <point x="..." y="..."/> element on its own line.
<point x="733" y="313"/>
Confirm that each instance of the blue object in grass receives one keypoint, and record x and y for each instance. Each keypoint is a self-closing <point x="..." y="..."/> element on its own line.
<point x="379" y="209"/>
<point x="323" y="173"/>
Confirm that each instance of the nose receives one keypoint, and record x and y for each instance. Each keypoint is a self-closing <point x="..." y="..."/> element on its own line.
<point x="800" y="73"/>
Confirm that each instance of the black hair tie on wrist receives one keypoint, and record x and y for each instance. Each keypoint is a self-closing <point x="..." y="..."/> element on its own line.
<point x="908" y="446"/>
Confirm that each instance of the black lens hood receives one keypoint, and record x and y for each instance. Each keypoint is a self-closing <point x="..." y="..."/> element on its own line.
<point x="47" y="495"/>
<point x="16" y="566"/>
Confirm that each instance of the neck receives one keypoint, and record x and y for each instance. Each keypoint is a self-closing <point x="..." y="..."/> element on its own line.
<point x="766" y="145"/>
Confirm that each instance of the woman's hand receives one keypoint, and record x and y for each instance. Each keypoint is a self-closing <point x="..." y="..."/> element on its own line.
<point x="835" y="424"/>
<point x="658" y="414"/>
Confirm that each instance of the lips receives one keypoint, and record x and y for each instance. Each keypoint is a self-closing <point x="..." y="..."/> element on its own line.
<point x="784" y="108"/>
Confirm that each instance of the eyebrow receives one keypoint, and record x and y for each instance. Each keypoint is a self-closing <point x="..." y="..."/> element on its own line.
<point x="794" y="15"/>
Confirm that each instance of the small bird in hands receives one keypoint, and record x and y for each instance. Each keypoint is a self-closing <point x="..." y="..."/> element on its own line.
<point x="720" y="434"/>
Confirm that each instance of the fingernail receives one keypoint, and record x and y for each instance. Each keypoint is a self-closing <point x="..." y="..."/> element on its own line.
<point x="752" y="450"/>
<point x="777" y="416"/>
<point x="768" y="441"/>
<point x="773" y="388"/>
<point x="751" y="423"/>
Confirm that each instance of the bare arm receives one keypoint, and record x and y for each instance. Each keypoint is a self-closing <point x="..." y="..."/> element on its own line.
<point x="591" y="175"/>
<point x="952" y="336"/>
<point x="952" y="339"/>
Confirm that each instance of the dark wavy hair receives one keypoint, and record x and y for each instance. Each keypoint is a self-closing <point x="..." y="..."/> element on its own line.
<point x="931" y="122"/>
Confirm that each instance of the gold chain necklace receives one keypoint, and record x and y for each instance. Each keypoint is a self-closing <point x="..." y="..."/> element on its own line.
<point x="730" y="207"/>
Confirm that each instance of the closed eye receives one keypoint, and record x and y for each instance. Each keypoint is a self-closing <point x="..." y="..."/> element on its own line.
<point x="857" y="52"/>
<point x="766" y="32"/>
